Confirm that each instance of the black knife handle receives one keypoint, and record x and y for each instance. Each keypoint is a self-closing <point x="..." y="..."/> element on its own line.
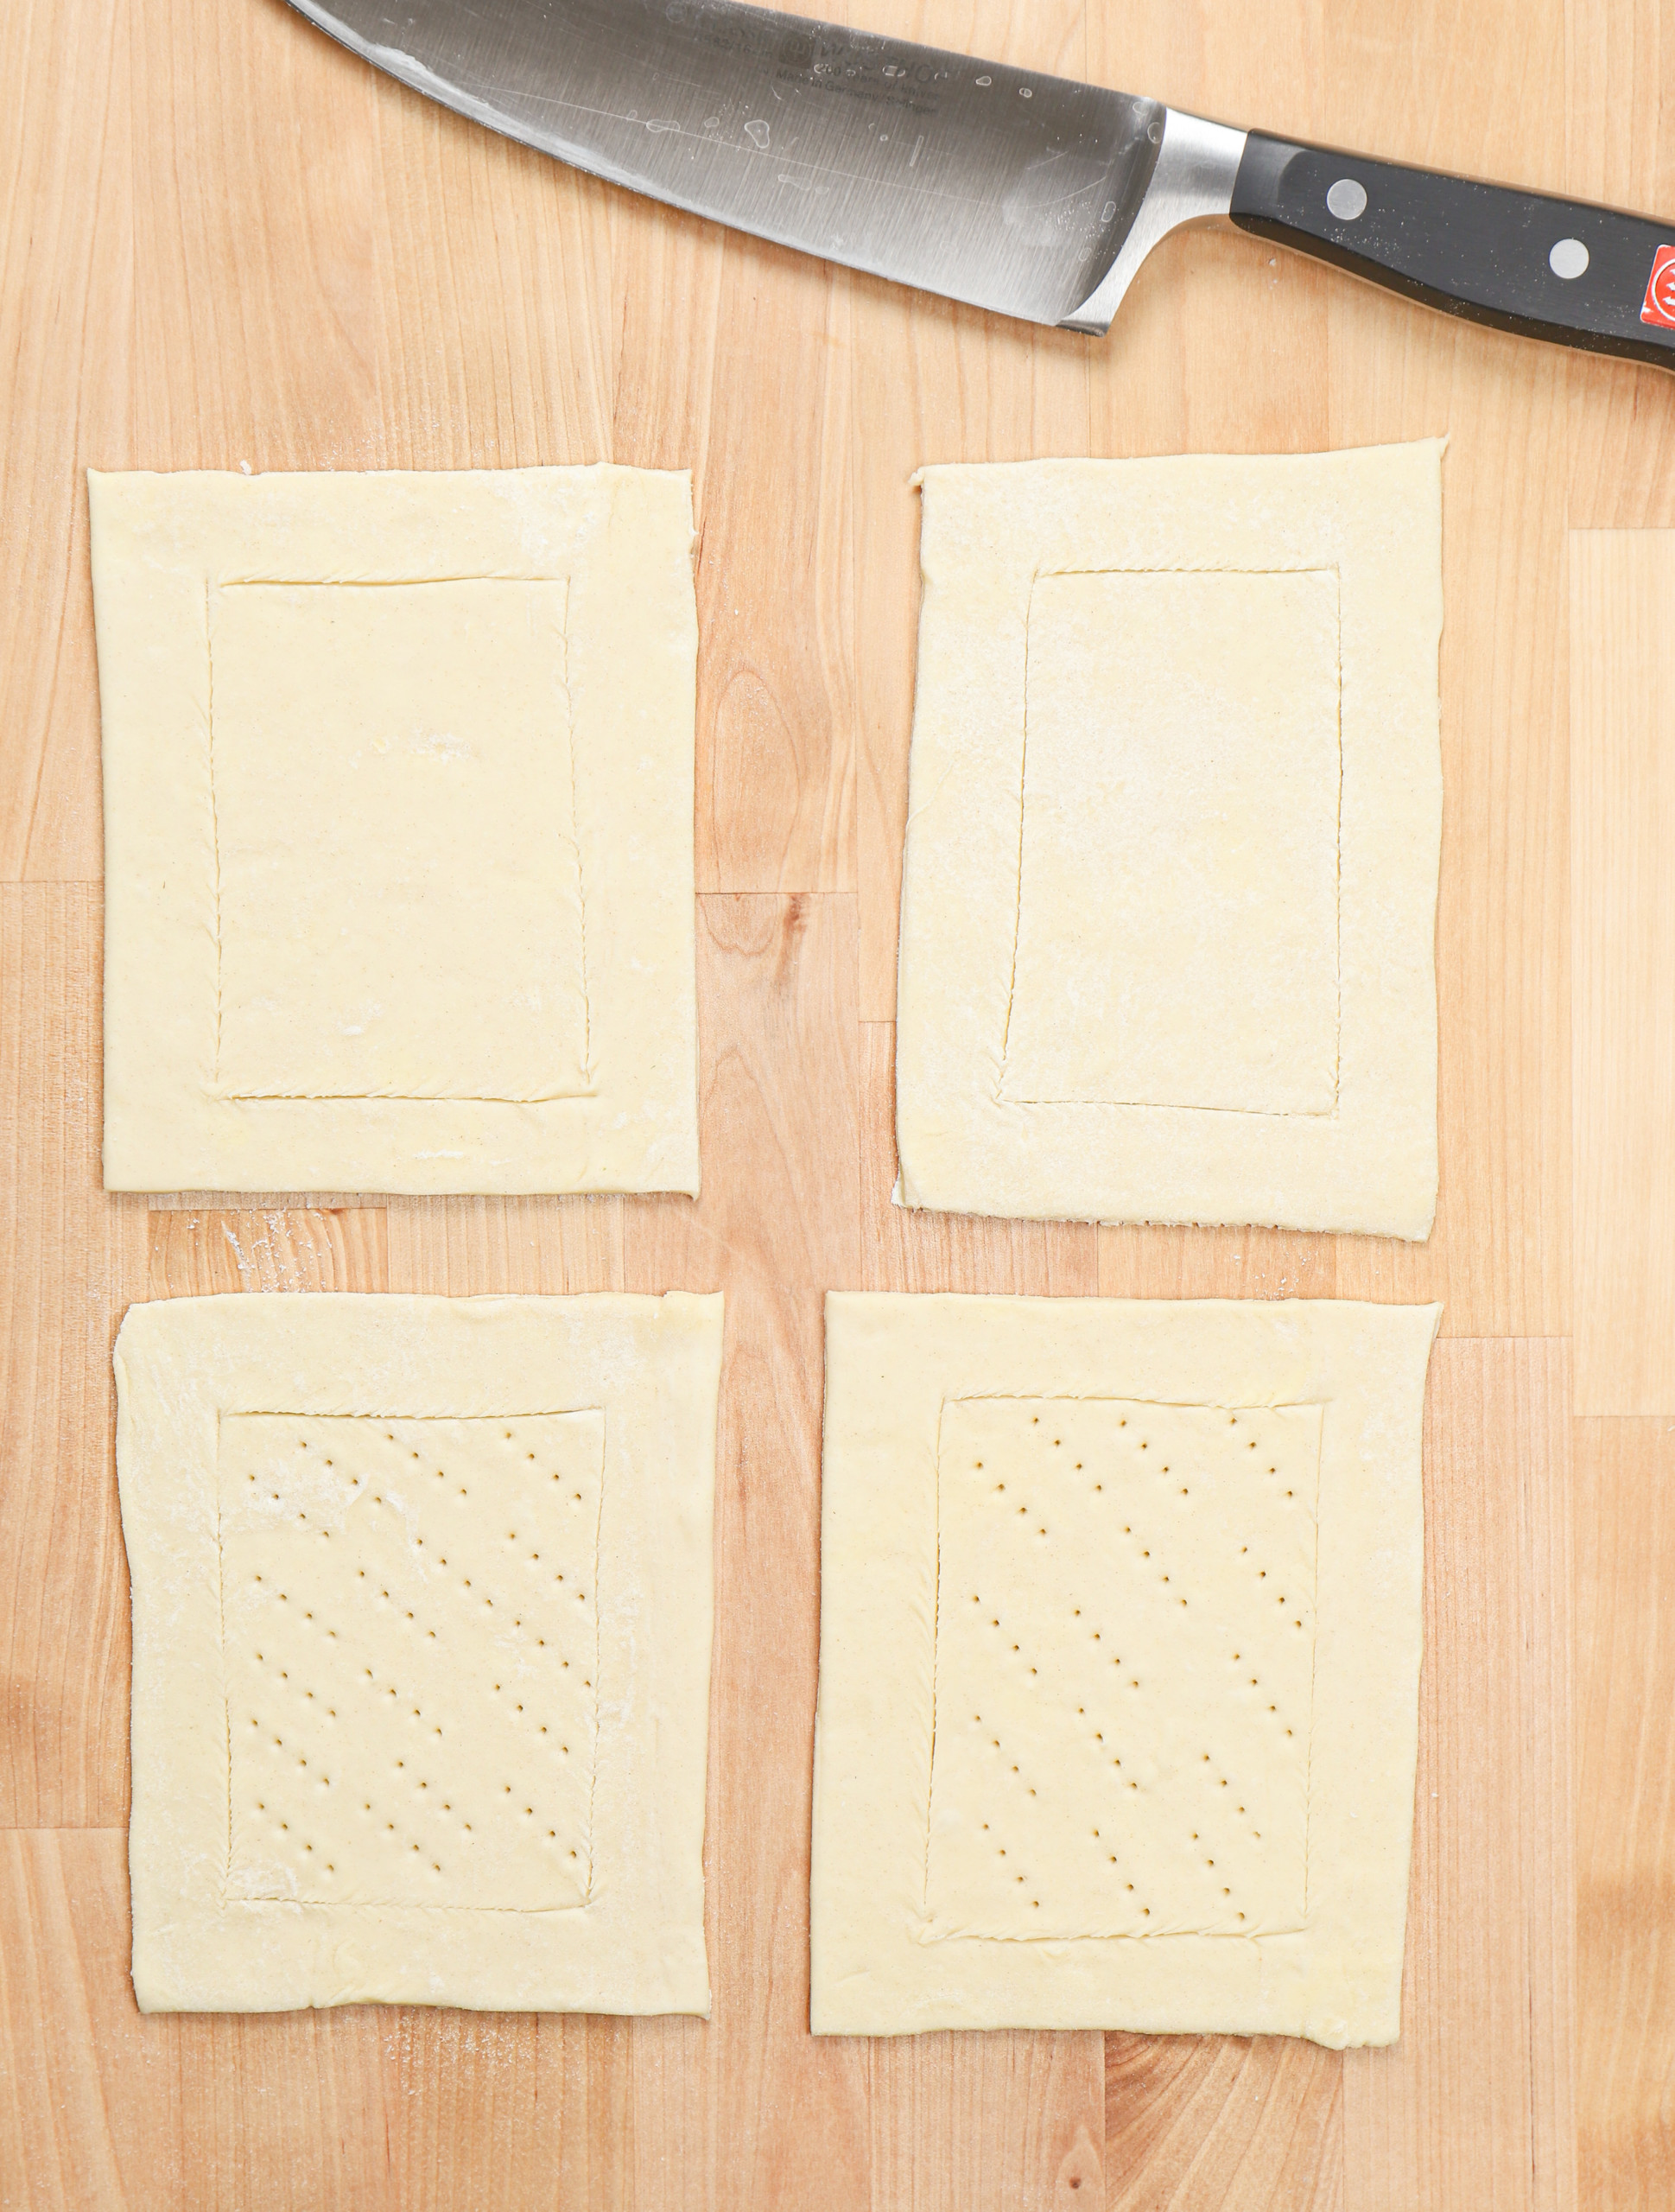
<point x="1521" y="261"/>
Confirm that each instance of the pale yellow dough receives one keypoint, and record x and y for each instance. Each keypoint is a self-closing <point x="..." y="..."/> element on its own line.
<point x="1175" y="807"/>
<point x="423" y="1597"/>
<point x="399" y="780"/>
<point x="1121" y="1632"/>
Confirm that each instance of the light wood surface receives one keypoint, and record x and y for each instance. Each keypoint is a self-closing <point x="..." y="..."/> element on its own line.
<point x="1625" y="1837"/>
<point x="1622" y="966"/>
<point x="222" y="240"/>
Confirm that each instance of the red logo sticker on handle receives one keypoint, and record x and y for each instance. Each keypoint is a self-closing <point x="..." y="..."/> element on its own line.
<point x="1659" y="306"/>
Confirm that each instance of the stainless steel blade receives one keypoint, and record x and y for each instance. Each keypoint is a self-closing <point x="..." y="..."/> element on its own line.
<point x="1000" y="187"/>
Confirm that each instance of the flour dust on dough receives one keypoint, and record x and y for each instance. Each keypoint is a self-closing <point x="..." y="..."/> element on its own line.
<point x="422" y="1596"/>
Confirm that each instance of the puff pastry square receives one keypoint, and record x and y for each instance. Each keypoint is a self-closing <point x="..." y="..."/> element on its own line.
<point x="398" y="776"/>
<point x="1169" y="899"/>
<point x="422" y="1597"/>
<point x="1120" y="1630"/>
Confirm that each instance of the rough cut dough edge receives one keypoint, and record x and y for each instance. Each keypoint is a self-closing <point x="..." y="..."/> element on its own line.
<point x="1138" y="2020"/>
<point x="331" y="1195"/>
<point x="1162" y="1221"/>
<point x="1380" y="2027"/>
<point x="682" y="1946"/>
<point x="674" y="1154"/>
<point x="1405" y="1230"/>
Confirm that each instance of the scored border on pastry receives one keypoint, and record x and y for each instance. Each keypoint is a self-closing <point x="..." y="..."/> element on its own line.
<point x="1174" y="819"/>
<point x="398" y="785"/>
<point x="1121" y="1629"/>
<point x="422" y="1599"/>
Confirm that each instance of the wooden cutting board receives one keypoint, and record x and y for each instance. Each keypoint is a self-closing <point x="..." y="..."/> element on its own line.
<point x="225" y="242"/>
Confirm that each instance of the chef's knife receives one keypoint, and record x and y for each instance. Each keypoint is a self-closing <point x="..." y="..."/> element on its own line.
<point x="1032" y="195"/>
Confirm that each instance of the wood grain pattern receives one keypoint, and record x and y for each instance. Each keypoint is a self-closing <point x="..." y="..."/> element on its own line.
<point x="224" y="241"/>
<point x="66" y="294"/>
<point x="1625" y="1580"/>
<point x="1198" y="2122"/>
<point x="1622" y="956"/>
<point x="194" y="1255"/>
<point x="298" y="2112"/>
<point x="1474" y="2106"/>
<point x="70" y="1259"/>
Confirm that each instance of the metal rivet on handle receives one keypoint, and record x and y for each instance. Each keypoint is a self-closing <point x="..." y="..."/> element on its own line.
<point x="1568" y="259"/>
<point x="1348" y="199"/>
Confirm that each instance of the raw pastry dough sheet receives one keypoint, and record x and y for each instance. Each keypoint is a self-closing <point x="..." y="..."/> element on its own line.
<point x="1169" y="897"/>
<point x="423" y="1597"/>
<point x="408" y="907"/>
<point x="986" y="1658"/>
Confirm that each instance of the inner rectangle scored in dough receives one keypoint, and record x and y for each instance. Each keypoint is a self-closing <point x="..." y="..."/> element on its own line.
<point x="410" y="1634"/>
<point x="1177" y="918"/>
<point x="400" y="914"/>
<point x="1124" y="1669"/>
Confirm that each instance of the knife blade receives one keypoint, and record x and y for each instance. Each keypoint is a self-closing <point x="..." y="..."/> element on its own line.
<point x="1027" y="195"/>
